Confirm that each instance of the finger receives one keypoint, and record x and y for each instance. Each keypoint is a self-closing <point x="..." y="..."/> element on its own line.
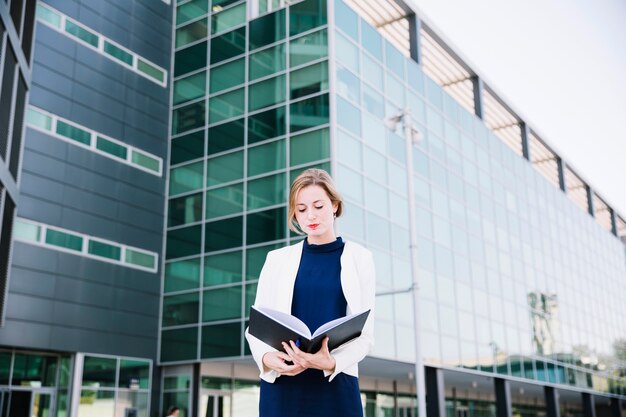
<point x="289" y="350"/>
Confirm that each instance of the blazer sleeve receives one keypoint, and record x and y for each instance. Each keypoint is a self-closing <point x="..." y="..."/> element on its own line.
<point x="356" y="350"/>
<point x="263" y="297"/>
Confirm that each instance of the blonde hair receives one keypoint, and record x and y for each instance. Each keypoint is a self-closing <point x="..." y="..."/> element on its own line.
<point x="312" y="176"/>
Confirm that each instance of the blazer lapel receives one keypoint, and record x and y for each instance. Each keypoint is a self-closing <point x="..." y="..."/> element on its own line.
<point x="349" y="279"/>
<point x="288" y="277"/>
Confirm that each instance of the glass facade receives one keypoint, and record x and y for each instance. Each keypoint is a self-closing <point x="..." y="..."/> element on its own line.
<point x="265" y="83"/>
<point x="504" y="256"/>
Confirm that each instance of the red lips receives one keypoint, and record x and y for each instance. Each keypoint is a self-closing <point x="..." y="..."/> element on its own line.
<point x="313" y="226"/>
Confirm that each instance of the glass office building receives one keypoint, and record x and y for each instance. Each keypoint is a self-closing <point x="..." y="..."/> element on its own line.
<point x="160" y="143"/>
<point x="517" y="283"/>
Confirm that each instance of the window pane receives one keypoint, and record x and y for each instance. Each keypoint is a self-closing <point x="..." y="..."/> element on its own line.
<point x="395" y="60"/>
<point x="225" y="106"/>
<point x="184" y="242"/>
<point x="373" y="102"/>
<point x="150" y="70"/>
<point x="187" y="147"/>
<point x="111" y="148"/>
<point x="223" y="234"/>
<point x="266" y="226"/>
<point x="267" y="29"/>
<point x="39" y="119"/>
<point x="347" y="53"/>
<point x="372" y="72"/>
<point x="134" y="374"/>
<point x="145" y="161"/>
<point x="266" y="125"/>
<point x="371" y="40"/>
<point x="309" y="80"/>
<point x="224" y="201"/>
<point x="228" y="75"/>
<point x="226" y="136"/>
<point x="190" y="59"/>
<point x="267" y="61"/>
<point x="348" y="85"/>
<point x="140" y="258"/>
<point x="225" y="20"/>
<point x="255" y="258"/>
<point x="180" y="309"/>
<point x="185" y="210"/>
<point x="308" y="48"/>
<point x="228" y="45"/>
<point x="26" y="231"/>
<point x="64" y="240"/>
<point x="81" y="33"/>
<point x="99" y="372"/>
<point x="186" y="178"/>
<point x="34" y="370"/>
<point x="188" y="117"/>
<point x="309" y="147"/>
<point x="189" y="88"/>
<point x="306" y="15"/>
<point x="92" y="400"/>
<point x="191" y="10"/>
<point x="178" y="345"/>
<point x="191" y="33"/>
<point x="182" y="275"/>
<point x="221" y="340"/>
<point x="309" y="113"/>
<point x="222" y="269"/>
<point x="347" y="19"/>
<point x="266" y="93"/>
<point x="47" y="15"/>
<point x="73" y="132"/>
<point x="225" y="168"/>
<point x="118" y="53"/>
<point x="350" y="116"/>
<point x="221" y="304"/>
<point x="104" y="250"/>
<point x="223" y="3"/>
<point x="266" y="158"/>
<point x="266" y="191"/>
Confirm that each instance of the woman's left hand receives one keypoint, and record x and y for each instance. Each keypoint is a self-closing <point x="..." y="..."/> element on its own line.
<point x="322" y="360"/>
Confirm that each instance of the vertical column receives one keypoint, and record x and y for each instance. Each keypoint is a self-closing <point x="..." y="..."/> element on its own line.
<point x="503" y="398"/>
<point x="552" y="402"/>
<point x="525" y="141"/>
<point x="415" y="46"/>
<point x="561" y="168"/>
<point x="590" y="206"/>
<point x="77" y="380"/>
<point x="478" y="96"/>
<point x="589" y="405"/>
<point x="613" y="221"/>
<point x="435" y="397"/>
<point x="616" y="407"/>
<point x="195" y="390"/>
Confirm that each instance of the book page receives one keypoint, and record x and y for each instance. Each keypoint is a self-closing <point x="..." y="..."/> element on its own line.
<point x="286" y="320"/>
<point x="333" y="323"/>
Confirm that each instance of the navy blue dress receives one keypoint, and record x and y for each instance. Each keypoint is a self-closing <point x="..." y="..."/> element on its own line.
<point x="317" y="299"/>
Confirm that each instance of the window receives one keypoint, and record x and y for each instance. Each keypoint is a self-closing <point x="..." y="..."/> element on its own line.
<point x="266" y="191"/>
<point x="221" y="340"/>
<point x="266" y="158"/>
<point x="191" y="33"/>
<point x="229" y="18"/>
<point x="309" y="147"/>
<point x="118" y="53"/>
<point x="222" y="269"/>
<point x="189" y="88"/>
<point x="48" y="15"/>
<point x="64" y="240"/>
<point x="39" y="119"/>
<point x="188" y="117"/>
<point x="221" y="304"/>
<point x="266" y="93"/>
<point x="81" y="33"/>
<point x="191" y="10"/>
<point x="190" y="59"/>
<point x="182" y="275"/>
<point x="309" y="80"/>
<point x="72" y="132"/>
<point x="180" y="344"/>
<point x="266" y="226"/>
<point x="184" y="242"/>
<point x="267" y="62"/>
<point x="180" y="309"/>
<point x="225" y="168"/>
<point x="309" y="113"/>
<point x="267" y="29"/>
<point x="104" y="250"/>
<point x="308" y="48"/>
<point x="146" y="161"/>
<point x="187" y="147"/>
<point x="266" y="125"/>
<point x="184" y="210"/>
<point x="138" y="258"/>
<point x="306" y="15"/>
<point x="228" y="45"/>
<point x="226" y="105"/>
<point x="186" y="178"/>
<point x="226" y="136"/>
<point x="223" y="201"/>
<point x="111" y="148"/>
<point x="223" y="234"/>
<point x="228" y="75"/>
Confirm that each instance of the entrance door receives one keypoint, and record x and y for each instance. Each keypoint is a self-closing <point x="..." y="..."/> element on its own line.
<point x="41" y="405"/>
<point x="214" y="404"/>
<point x="26" y="403"/>
<point x="20" y="402"/>
<point x="4" y="403"/>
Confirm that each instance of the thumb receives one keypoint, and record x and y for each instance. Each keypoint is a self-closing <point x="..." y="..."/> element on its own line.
<point x="325" y="343"/>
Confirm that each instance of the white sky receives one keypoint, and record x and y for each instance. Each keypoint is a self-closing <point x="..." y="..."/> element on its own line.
<point x="561" y="64"/>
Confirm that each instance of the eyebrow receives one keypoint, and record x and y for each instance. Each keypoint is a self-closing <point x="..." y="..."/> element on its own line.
<point x="302" y="204"/>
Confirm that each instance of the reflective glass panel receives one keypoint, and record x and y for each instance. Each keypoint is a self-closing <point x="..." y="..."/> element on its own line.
<point x="224" y="268"/>
<point x="266" y="125"/>
<point x="182" y="275"/>
<point x="226" y="136"/>
<point x="267" y="29"/>
<point x="223" y="201"/>
<point x="266" y="158"/>
<point x="180" y="309"/>
<point x="309" y="80"/>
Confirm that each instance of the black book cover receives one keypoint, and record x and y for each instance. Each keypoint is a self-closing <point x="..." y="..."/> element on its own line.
<point x="274" y="327"/>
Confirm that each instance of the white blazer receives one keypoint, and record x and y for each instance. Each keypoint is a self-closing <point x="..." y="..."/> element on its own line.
<point x="275" y="290"/>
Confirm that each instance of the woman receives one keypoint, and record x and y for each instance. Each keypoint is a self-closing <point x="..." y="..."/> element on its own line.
<point x="317" y="280"/>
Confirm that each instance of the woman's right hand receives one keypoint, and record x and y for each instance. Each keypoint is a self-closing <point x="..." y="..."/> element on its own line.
<point x="276" y="361"/>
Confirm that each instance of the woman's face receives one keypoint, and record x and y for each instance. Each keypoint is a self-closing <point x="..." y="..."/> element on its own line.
<point x="314" y="213"/>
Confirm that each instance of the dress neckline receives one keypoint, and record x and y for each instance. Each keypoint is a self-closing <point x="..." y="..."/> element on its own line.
<point x="323" y="247"/>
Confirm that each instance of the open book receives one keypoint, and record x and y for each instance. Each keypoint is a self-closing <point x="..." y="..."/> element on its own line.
<point x="274" y="327"/>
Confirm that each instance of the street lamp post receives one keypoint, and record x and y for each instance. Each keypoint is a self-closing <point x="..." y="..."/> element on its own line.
<point x="412" y="136"/>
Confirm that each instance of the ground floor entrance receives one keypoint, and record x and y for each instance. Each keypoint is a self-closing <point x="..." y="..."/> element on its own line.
<point x="27" y="402"/>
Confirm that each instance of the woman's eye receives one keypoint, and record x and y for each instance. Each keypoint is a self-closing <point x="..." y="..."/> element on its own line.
<point x="320" y="207"/>
<point x="300" y="211"/>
